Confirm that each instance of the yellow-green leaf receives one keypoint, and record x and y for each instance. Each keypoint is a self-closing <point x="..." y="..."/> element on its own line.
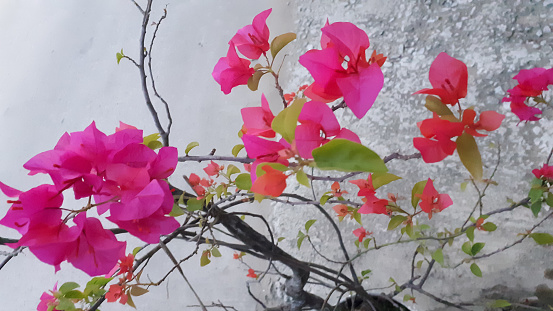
<point x="204" y="259"/>
<point x="476" y="270"/>
<point x="243" y="181"/>
<point x="232" y="169"/>
<point x="417" y="189"/>
<point x="119" y="56"/>
<point x="152" y="141"/>
<point x="434" y="104"/>
<point x="281" y="41"/>
<point x="138" y="291"/>
<point x="286" y="121"/>
<point x="542" y="238"/>
<point x="381" y="179"/>
<point x="469" y="155"/>
<point x="215" y="252"/>
<point x="308" y="224"/>
<point x="236" y="149"/>
<point x="176" y="211"/>
<point x="396" y="221"/>
<point x="347" y="156"/>
<point x="190" y="146"/>
<point x="438" y="256"/>
<point x="302" y="178"/>
<point x="253" y="81"/>
<point x="194" y="204"/>
<point x="500" y="303"/>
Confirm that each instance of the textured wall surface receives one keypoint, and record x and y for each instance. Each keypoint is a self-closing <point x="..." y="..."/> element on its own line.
<point x="59" y="73"/>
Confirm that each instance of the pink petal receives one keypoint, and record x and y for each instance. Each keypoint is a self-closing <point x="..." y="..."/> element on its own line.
<point x="348" y="39"/>
<point x="490" y="120"/>
<point x="360" y="90"/>
<point x="319" y="113"/>
<point x="430" y="150"/>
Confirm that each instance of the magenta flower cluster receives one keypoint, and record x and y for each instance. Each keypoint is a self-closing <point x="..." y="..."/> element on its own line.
<point x="115" y="173"/>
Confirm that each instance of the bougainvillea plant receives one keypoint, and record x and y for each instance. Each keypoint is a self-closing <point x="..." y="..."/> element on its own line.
<point x="123" y="178"/>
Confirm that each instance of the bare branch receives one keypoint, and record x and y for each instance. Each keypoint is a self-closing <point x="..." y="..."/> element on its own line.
<point x="214" y="158"/>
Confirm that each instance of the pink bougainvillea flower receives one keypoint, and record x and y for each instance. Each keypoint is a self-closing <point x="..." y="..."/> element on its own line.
<point x="272" y="183"/>
<point x="488" y="121"/>
<point x="373" y="205"/>
<point x="252" y="274"/>
<point x="124" y="126"/>
<point x="361" y="233"/>
<point x="257" y="120"/>
<point x="336" y="190"/>
<point x="253" y="40"/>
<point x="546" y="172"/>
<point x="341" y="68"/>
<point x="266" y="151"/>
<point x="213" y="169"/>
<point x="436" y="144"/>
<point x="341" y="210"/>
<point x="231" y="71"/>
<point x="49" y="302"/>
<point x="449" y="77"/>
<point x="117" y="292"/>
<point x="432" y="201"/>
<point x="318" y="125"/>
<point x="532" y="83"/>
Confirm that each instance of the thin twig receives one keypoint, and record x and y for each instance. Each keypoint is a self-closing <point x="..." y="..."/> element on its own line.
<point x="142" y="70"/>
<point x="15" y="252"/>
<point x="214" y="158"/>
<point x="169" y="118"/>
<point x="138" y="7"/>
<point x="177" y="264"/>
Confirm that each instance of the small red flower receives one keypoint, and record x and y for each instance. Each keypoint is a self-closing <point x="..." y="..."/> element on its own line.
<point x="341" y="210"/>
<point x="117" y="292"/>
<point x="432" y="201"/>
<point x="361" y="233"/>
<point x="251" y="274"/>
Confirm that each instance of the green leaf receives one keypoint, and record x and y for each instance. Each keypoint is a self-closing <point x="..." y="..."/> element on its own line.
<point x="301" y="237"/>
<point x="232" y="169"/>
<point x="475" y="269"/>
<point x="308" y="224"/>
<point x="489" y="226"/>
<point x="302" y="178"/>
<point x="419" y="264"/>
<point x="136" y="250"/>
<point x="281" y="239"/>
<point x="190" y="146"/>
<point x="536" y="208"/>
<point x="467" y="248"/>
<point x="535" y="194"/>
<point x="549" y="199"/>
<point x="67" y="287"/>
<point x="500" y="303"/>
<point x="347" y="156"/>
<point x="464" y="185"/>
<point x="243" y="181"/>
<point x="325" y="198"/>
<point x="74" y="294"/>
<point x="253" y="81"/>
<point x="357" y="217"/>
<point x="542" y="238"/>
<point x="215" y="252"/>
<point x="434" y="104"/>
<point x="417" y="189"/>
<point x="204" y="259"/>
<point x="381" y="179"/>
<point x="130" y="302"/>
<point x="409" y="230"/>
<point x="470" y="233"/>
<point x="281" y="41"/>
<point x="469" y="155"/>
<point x="236" y="149"/>
<point x="138" y="291"/>
<point x="396" y="221"/>
<point x="194" y="204"/>
<point x="152" y="141"/>
<point x="365" y="272"/>
<point x="476" y="248"/>
<point x="65" y="304"/>
<point x="366" y="243"/>
<point x="176" y="211"/>
<point x="286" y="121"/>
<point x="119" y="56"/>
<point x="438" y="256"/>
